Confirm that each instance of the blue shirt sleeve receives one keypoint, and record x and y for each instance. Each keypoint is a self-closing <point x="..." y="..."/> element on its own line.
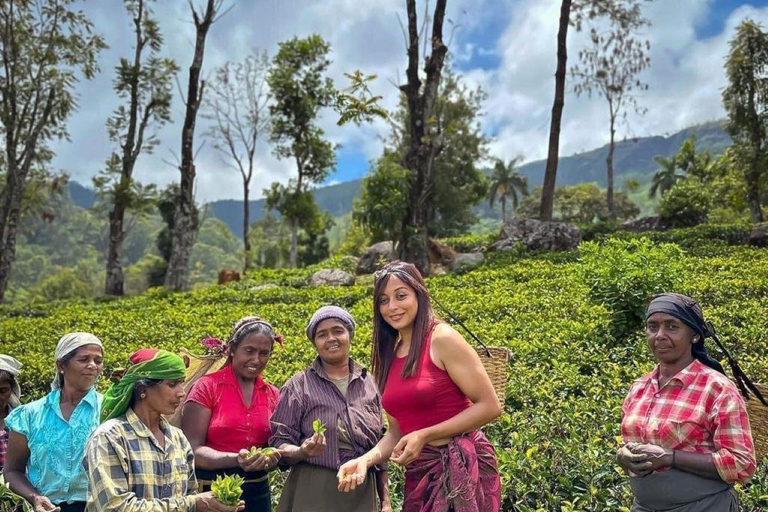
<point x="18" y="421"/>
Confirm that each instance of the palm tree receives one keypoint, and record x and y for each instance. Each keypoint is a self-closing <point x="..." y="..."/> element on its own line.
<point x="666" y="176"/>
<point x="506" y="182"/>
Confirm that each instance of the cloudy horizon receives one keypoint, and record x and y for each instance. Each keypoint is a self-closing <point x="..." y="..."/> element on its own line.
<point x="506" y="47"/>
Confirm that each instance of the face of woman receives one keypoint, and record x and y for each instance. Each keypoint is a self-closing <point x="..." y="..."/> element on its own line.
<point x="166" y="397"/>
<point x="84" y="368"/>
<point x="251" y="356"/>
<point x="5" y="393"/>
<point x="398" y="304"/>
<point x="669" y="339"/>
<point x="332" y="341"/>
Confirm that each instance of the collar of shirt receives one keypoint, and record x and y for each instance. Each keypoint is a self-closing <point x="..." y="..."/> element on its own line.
<point x="355" y="370"/>
<point x="685" y="377"/>
<point x="53" y="400"/>
<point x="231" y="378"/>
<point x="142" y="430"/>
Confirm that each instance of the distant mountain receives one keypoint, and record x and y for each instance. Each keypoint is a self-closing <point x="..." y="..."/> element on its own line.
<point x="633" y="158"/>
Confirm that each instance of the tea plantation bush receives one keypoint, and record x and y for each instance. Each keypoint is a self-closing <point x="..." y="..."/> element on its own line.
<point x="572" y="322"/>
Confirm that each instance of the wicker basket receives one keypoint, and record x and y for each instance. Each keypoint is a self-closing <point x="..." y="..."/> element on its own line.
<point x="197" y="366"/>
<point x="496" y="363"/>
<point x="758" y="420"/>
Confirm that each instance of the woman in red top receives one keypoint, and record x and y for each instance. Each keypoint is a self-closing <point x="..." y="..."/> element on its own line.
<point x="228" y="412"/>
<point x="684" y="425"/>
<point x="437" y="395"/>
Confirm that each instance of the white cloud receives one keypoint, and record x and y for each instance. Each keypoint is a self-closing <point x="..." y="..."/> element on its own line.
<point x="685" y="79"/>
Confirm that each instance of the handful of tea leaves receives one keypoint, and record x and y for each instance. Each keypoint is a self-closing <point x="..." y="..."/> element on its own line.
<point x="267" y="452"/>
<point x="228" y="489"/>
<point x="318" y="426"/>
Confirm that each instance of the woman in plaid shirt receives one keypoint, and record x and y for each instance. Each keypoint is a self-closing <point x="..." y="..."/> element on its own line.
<point x="136" y="461"/>
<point x="684" y="425"/>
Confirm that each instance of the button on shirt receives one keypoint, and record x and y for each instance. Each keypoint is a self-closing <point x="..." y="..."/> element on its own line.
<point x="128" y="471"/>
<point x="233" y="425"/>
<point x="311" y="395"/>
<point x="56" y="445"/>
<point x="699" y="410"/>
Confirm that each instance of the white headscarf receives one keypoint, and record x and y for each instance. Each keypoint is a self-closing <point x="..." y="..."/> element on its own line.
<point x="12" y="366"/>
<point x="69" y="343"/>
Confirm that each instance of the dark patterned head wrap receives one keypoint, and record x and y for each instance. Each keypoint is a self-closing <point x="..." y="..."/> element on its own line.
<point x="690" y="313"/>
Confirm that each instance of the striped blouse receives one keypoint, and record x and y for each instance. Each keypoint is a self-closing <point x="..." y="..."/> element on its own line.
<point x="311" y="395"/>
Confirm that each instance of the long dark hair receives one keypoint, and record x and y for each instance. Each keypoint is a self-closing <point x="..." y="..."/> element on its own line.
<point x="385" y="336"/>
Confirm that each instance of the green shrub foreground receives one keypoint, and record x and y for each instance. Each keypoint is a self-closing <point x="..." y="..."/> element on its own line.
<point x="570" y="320"/>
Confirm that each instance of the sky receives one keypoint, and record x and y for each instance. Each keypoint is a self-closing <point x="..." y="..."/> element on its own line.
<point x="507" y="47"/>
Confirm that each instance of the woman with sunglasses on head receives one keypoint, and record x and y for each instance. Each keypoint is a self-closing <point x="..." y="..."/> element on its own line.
<point x="437" y="396"/>
<point x="227" y="412"/>
<point x="684" y="426"/>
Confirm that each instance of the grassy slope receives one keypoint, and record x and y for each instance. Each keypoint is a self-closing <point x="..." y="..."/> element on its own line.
<point x="568" y="376"/>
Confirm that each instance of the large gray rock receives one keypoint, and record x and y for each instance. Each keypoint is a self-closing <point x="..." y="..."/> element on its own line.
<point x="369" y="262"/>
<point x="643" y="224"/>
<point x="759" y="236"/>
<point x="537" y="235"/>
<point x="331" y="277"/>
<point x="467" y="261"/>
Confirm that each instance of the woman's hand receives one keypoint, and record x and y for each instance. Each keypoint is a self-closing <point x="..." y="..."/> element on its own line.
<point x="386" y="506"/>
<point x="43" y="504"/>
<point x="206" y="502"/>
<point x="352" y="473"/>
<point x="409" y="448"/>
<point x="643" y="459"/>
<point x="256" y="462"/>
<point x="313" y="446"/>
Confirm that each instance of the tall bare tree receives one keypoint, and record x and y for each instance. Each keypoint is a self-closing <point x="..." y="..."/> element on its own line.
<point x="425" y="137"/>
<point x="609" y="67"/>
<point x="573" y="13"/>
<point x="145" y="83"/>
<point x="45" y="45"/>
<point x="238" y="104"/>
<point x="184" y="229"/>
<point x="746" y="102"/>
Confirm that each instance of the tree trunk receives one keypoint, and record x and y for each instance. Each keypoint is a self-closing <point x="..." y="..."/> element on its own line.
<point x="246" y="224"/>
<point x="293" y="260"/>
<point x="9" y="225"/>
<point x="185" y="226"/>
<point x="753" y="186"/>
<point x="550" y="173"/>
<point x="423" y="148"/>
<point x="609" y="162"/>
<point x="504" y="208"/>
<point x="114" y="281"/>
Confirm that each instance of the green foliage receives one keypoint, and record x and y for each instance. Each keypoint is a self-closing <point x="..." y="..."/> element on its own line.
<point x="582" y="204"/>
<point x="228" y="489"/>
<point x="318" y="426"/>
<point x="624" y="276"/>
<point x="457" y="182"/>
<point x="383" y="199"/>
<point x="10" y="501"/>
<point x="357" y="103"/>
<point x="556" y="312"/>
<point x="507" y="183"/>
<point x="687" y="203"/>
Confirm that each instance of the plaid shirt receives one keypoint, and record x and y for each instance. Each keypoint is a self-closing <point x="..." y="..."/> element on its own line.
<point x="699" y="410"/>
<point x="129" y="472"/>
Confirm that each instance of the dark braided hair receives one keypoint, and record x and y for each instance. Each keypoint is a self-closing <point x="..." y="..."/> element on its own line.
<point x="250" y="325"/>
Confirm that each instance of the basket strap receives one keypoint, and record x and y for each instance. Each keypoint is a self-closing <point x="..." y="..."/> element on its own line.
<point x="458" y="321"/>
<point x="742" y="381"/>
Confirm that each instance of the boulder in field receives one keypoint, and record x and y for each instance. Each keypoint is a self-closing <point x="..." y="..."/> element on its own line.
<point x="759" y="236"/>
<point x="331" y="277"/>
<point x="537" y="235"/>
<point x="467" y="261"/>
<point x="369" y="262"/>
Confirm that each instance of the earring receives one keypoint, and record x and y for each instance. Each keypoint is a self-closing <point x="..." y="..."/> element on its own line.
<point x="143" y="395"/>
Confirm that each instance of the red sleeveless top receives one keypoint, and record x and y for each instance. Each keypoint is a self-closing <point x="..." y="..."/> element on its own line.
<point x="427" y="398"/>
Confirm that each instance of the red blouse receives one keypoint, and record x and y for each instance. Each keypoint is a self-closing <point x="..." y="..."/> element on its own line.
<point x="427" y="398"/>
<point x="234" y="425"/>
